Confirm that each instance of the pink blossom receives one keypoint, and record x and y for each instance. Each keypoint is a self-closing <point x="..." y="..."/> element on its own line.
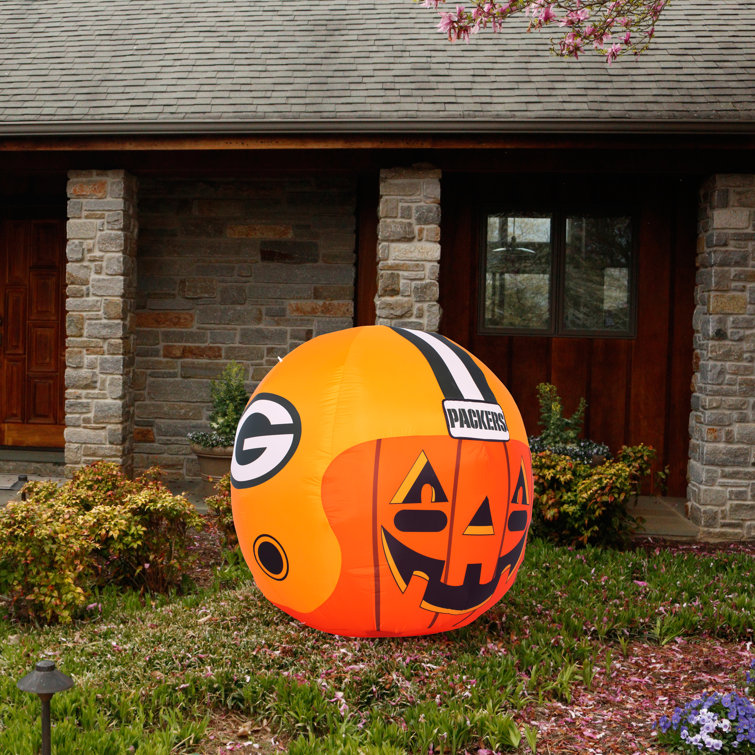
<point x="611" y="55"/>
<point x="572" y="44"/>
<point x="575" y="17"/>
<point x="542" y="12"/>
<point x="455" y="27"/>
<point x="635" y="18"/>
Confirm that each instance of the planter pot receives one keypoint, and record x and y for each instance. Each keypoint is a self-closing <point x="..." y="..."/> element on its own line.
<point x="213" y="462"/>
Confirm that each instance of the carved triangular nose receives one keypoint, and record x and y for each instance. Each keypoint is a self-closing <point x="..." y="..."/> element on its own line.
<point x="482" y="521"/>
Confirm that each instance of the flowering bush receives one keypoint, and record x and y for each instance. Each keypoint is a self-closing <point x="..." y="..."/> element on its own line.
<point x="44" y="554"/>
<point x="611" y="27"/>
<point x="581" y="494"/>
<point x="578" y="504"/>
<point x="714" y="722"/>
<point x="98" y="528"/>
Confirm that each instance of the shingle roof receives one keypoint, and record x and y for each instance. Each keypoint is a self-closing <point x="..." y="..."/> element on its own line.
<point x="181" y="65"/>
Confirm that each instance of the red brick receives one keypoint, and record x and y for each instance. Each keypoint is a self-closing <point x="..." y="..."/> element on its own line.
<point x="173" y="351"/>
<point x="144" y="435"/>
<point x="89" y="189"/>
<point x="164" y="319"/>
<point x="321" y="308"/>
<point x="257" y="231"/>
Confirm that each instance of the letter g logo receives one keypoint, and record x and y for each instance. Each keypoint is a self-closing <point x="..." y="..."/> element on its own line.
<point x="267" y="437"/>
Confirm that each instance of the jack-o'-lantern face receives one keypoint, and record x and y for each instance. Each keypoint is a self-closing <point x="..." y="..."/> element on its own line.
<point x="381" y="484"/>
<point x="447" y="527"/>
<point x="435" y="534"/>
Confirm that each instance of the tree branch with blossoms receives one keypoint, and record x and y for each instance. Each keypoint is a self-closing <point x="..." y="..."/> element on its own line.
<point x="609" y="27"/>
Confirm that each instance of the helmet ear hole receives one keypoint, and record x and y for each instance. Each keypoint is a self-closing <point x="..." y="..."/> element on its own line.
<point x="271" y="557"/>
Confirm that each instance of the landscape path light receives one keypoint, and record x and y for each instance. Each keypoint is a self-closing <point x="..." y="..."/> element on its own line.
<point x="45" y="681"/>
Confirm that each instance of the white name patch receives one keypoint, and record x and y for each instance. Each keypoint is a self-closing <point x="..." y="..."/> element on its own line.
<point x="478" y="420"/>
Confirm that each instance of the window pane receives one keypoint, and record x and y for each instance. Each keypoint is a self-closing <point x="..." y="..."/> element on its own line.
<point x="517" y="271"/>
<point x="597" y="273"/>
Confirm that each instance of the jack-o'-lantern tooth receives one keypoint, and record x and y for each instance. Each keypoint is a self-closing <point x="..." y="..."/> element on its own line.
<point x="482" y="521"/>
<point x="420" y="475"/>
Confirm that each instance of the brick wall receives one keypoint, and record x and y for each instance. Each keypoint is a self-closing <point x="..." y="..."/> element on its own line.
<point x="242" y="270"/>
<point x="722" y="424"/>
<point x="100" y="277"/>
<point x="409" y="248"/>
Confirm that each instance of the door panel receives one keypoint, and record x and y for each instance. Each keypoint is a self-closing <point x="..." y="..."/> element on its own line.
<point x="13" y="390"/>
<point x="42" y="395"/>
<point x="43" y="303"/>
<point x="32" y="273"/>
<point x="43" y="353"/>
<point x="45" y="248"/>
<point x="14" y="337"/>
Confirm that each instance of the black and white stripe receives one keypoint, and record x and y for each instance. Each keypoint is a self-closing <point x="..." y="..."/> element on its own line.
<point x="458" y="375"/>
<point x="469" y="405"/>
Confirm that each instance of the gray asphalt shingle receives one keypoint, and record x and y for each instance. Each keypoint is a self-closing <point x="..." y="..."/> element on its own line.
<point x="132" y="63"/>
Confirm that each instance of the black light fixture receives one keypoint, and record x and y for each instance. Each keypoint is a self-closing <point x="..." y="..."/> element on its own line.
<point x="45" y="681"/>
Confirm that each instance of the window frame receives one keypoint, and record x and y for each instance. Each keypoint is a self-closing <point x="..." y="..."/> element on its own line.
<point x="557" y="292"/>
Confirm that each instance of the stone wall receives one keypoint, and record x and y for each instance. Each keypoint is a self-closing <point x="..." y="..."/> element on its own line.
<point x="231" y="270"/>
<point x="409" y="248"/>
<point x="722" y="424"/>
<point x="100" y="274"/>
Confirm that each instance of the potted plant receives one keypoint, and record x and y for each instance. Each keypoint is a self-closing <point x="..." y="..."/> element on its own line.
<point x="215" y="448"/>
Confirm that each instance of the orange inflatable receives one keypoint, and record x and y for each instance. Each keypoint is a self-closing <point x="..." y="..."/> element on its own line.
<point x="381" y="484"/>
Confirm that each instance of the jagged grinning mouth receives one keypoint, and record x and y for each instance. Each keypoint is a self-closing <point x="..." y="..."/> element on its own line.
<point x="405" y="563"/>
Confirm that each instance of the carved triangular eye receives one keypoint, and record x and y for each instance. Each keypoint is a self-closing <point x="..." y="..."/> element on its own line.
<point x="520" y="491"/>
<point x="420" y="474"/>
<point x="482" y="521"/>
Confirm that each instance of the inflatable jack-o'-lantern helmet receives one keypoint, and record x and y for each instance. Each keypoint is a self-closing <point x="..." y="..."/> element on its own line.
<point x="381" y="484"/>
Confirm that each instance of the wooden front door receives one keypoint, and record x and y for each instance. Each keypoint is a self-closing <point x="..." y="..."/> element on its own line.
<point x="32" y="307"/>
<point x="637" y="384"/>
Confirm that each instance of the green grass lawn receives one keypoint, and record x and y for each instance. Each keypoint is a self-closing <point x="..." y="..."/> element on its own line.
<point x="153" y="675"/>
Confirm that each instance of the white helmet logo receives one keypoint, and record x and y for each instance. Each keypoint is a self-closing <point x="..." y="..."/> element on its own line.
<point x="266" y="438"/>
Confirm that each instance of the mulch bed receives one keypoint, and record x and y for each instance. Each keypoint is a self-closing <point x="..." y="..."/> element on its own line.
<point x="206" y="547"/>
<point x="617" y="715"/>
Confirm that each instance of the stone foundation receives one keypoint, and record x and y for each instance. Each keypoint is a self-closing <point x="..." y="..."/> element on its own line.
<point x="231" y="270"/>
<point x="721" y="488"/>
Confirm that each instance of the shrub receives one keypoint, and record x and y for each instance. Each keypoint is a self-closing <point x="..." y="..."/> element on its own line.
<point x="153" y="551"/>
<point x="557" y="429"/>
<point x="98" y="528"/>
<point x="578" y="504"/>
<point x="559" y="434"/>
<point x="577" y="501"/>
<point x="220" y="505"/>
<point x="45" y="552"/>
<point x="229" y="399"/>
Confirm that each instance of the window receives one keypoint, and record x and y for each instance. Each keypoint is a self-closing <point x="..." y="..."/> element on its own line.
<point x="557" y="274"/>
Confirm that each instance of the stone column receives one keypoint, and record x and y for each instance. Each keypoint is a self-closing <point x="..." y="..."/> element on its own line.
<point x="101" y="278"/>
<point x="409" y="248"/>
<point x="722" y="423"/>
